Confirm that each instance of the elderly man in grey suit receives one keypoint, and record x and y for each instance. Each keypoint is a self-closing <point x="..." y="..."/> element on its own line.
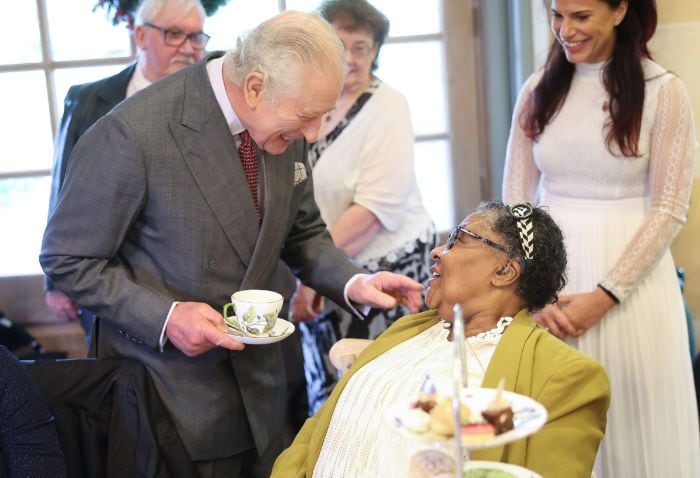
<point x="169" y="37"/>
<point x="159" y="222"/>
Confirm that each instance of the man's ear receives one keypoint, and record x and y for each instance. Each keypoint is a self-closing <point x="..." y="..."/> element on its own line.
<point x="140" y="37"/>
<point x="253" y="89"/>
<point x="507" y="274"/>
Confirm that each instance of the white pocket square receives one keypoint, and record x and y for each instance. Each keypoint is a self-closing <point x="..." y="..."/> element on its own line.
<point x="299" y="173"/>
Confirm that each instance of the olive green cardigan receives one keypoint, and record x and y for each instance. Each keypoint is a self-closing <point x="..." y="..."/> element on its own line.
<point x="572" y="387"/>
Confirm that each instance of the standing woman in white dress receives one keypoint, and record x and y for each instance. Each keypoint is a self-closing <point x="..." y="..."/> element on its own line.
<point x="365" y="187"/>
<point x="605" y="138"/>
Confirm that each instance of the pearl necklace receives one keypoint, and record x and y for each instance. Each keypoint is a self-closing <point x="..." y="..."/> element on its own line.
<point x="500" y="327"/>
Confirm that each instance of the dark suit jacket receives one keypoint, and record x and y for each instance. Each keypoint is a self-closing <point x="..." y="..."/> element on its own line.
<point x="83" y="106"/>
<point x="156" y="208"/>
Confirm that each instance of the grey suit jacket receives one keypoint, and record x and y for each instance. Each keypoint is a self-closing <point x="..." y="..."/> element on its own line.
<point x="156" y="208"/>
<point x="83" y="106"/>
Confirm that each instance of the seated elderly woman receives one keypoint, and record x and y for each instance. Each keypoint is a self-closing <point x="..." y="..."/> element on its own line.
<point x="499" y="266"/>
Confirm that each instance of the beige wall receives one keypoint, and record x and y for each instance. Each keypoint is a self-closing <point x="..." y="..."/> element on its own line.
<point x="678" y="11"/>
<point x="675" y="46"/>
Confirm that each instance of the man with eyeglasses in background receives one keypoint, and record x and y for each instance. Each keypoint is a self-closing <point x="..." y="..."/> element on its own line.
<point x="169" y="37"/>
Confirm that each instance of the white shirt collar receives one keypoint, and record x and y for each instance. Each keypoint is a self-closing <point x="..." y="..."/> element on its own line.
<point x="216" y="78"/>
<point x="137" y="82"/>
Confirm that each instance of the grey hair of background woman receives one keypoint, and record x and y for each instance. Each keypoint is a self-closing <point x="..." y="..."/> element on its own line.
<point x="285" y="49"/>
<point x="354" y="15"/>
<point x="543" y="276"/>
<point x="148" y="9"/>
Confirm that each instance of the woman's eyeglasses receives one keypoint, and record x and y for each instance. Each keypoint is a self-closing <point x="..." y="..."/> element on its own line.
<point x="359" y="50"/>
<point x="454" y="237"/>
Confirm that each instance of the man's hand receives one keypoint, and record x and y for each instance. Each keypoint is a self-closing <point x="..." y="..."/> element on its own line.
<point x="196" y="328"/>
<point x="61" y="305"/>
<point x="386" y="290"/>
<point x="307" y="304"/>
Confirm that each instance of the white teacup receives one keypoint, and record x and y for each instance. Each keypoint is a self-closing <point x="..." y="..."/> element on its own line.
<point x="255" y="310"/>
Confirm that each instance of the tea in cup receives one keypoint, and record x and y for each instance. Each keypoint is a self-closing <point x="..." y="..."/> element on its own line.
<point x="255" y="311"/>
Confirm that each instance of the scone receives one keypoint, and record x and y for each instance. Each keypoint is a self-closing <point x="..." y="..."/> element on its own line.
<point x="430" y="463"/>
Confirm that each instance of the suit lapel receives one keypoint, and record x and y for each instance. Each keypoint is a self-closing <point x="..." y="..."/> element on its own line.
<point x="113" y="90"/>
<point x="211" y="156"/>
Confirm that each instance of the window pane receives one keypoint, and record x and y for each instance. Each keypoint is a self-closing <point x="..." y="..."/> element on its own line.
<point x="435" y="181"/>
<point x="25" y="128"/>
<point x="417" y="70"/>
<point x="23" y="209"/>
<point x="235" y="18"/>
<point x="411" y="18"/>
<point x="77" y="32"/>
<point x="20" y="36"/>
<point x="67" y="77"/>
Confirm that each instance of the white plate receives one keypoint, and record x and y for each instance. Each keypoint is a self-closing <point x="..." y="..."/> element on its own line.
<point x="515" y="470"/>
<point x="280" y="331"/>
<point x="528" y="417"/>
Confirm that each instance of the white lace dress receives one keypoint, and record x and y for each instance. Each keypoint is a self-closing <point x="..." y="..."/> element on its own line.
<point x="619" y="216"/>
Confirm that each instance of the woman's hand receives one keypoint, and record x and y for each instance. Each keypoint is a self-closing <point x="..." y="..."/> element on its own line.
<point x="307" y="304"/>
<point x="555" y="320"/>
<point x="574" y="314"/>
<point x="585" y="310"/>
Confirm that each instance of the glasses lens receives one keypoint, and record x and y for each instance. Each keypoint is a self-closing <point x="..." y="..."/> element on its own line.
<point x="174" y="38"/>
<point x="199" y="40"/>
<point x="453" y="238"/>
<point x="360" y="51"/>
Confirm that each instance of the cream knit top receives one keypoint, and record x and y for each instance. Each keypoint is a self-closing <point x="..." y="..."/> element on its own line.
<point x="359" y="441"/>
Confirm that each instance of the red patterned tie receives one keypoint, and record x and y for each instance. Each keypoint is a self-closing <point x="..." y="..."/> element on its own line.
<point x="249" y="160"/>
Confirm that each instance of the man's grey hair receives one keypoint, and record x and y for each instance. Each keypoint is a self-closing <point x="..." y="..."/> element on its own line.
<point x="285" y="48"/>
<point x="148" y="9"/>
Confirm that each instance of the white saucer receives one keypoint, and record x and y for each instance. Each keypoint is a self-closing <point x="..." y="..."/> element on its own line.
<point x="528" y="417"/>
<point x="280" y="331"/>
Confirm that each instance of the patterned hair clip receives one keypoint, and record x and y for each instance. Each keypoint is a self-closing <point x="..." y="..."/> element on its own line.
<point x="522" y="212"/>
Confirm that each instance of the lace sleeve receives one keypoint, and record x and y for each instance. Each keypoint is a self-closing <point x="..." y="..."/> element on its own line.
<point x="521" y="176"/>
<point x="670" y="182"/>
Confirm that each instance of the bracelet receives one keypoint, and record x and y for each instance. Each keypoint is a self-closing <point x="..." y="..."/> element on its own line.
<point x="610" y="294"/>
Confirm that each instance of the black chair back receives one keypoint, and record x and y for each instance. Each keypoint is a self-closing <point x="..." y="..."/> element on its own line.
<point x="110" y="419"/>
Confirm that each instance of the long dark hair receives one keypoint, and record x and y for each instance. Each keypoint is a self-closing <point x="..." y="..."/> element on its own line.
<point x="623" y="78"/>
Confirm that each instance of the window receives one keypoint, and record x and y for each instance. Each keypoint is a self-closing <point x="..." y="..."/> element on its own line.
<point x="36" y="73"/>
